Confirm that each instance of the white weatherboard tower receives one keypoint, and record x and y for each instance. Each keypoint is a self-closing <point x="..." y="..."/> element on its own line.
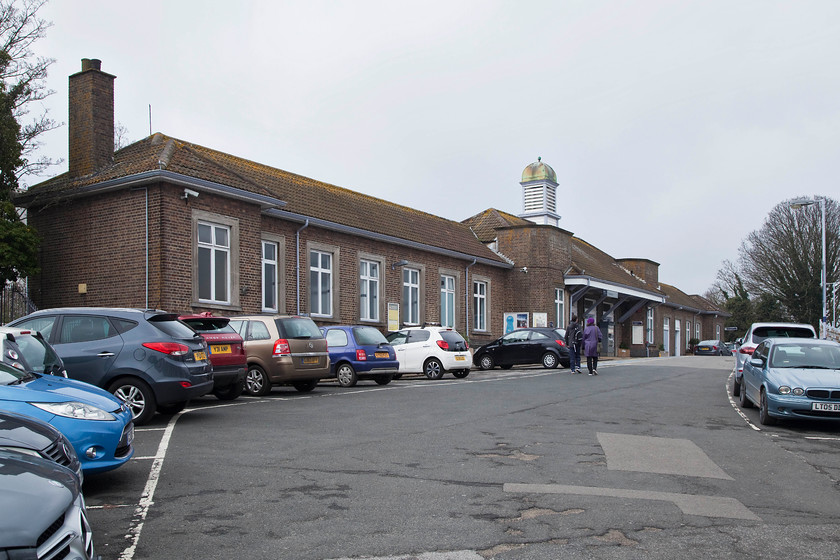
<point x="539" y="194"/>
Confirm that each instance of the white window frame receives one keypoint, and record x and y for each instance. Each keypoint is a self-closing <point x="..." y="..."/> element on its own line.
<point x="649" y="325"/>
<point x="216" y="248"/>
<point x="270" y="270"/>
<point x="666" y="333"/>
<point x="559" y="307"/>
<point x="447" y="300"/>
<point x="321" y="273"/>
<point x="411" y="295"/>
<point x="369" y="281"/>
<point x="479" y="296"/>
<point x="697" y="327"/>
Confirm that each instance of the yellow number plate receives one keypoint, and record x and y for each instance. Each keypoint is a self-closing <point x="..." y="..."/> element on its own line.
<point x="459" y="358"/>
<point x="381" y="354"/>
<point x="310" y="360"/>
<point x="220" y="349"/>
<point x="199" y="356"/>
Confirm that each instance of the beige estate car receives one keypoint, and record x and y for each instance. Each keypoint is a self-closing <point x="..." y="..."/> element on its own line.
<point x="282" y="350"/>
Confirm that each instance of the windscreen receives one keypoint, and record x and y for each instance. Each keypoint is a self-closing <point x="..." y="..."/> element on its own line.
<point x="762" y="333"/>
<point x="368" y="336"/>
<point x="299" y="327"/>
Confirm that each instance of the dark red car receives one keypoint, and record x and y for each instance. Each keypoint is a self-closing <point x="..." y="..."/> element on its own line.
<point x="227" y="355"/>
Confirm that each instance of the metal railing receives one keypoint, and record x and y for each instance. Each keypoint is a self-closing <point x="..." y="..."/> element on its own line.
<point x="14" y="302"/>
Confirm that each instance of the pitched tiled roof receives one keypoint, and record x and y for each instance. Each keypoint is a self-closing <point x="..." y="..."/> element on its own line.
<point x="303" y="196"/>
<point x="708" y="306"/>
<point x="678" y="298"/>
<point x="588" y="260"/>
<point x="485" y="223"/>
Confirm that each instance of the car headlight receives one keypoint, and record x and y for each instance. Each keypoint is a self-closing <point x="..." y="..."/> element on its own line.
<point x="75" y="409"/>
<point x="784" y="390"/>
<point x="799" y="391"/>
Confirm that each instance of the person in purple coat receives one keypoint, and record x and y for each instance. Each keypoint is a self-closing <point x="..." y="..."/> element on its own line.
<point x="591" y="342"/>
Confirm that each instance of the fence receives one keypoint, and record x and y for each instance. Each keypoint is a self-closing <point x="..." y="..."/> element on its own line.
<point x="14" y="302"/>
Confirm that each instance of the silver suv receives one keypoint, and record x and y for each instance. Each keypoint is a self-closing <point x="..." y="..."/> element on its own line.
<point x="755" y="335"/>
<point x="431" y="351"/>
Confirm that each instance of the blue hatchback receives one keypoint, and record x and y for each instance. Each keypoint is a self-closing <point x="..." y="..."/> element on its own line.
<point x="98" y="425"/>
<point x="360" y="352"/>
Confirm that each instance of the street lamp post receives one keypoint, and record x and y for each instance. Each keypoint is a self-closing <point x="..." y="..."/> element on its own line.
<point x="800" y="203"/>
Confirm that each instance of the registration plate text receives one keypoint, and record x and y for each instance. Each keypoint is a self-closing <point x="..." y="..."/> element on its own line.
<point x="826" y="407"/>
<point x="220" y="349"/>
<point x="381" y="354"/>
<point x="460" y="358"/>
<point x="310" y="361"/>
<point x="199" y="356"/>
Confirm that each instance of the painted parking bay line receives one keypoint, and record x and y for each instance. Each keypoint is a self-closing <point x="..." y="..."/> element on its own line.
<point x="705" y="506"/>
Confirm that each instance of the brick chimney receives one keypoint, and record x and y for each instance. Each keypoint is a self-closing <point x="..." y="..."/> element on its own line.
<point x="91" y="119"/>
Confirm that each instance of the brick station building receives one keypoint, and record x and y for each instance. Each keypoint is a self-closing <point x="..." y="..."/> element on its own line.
<point x="164" y="223"/>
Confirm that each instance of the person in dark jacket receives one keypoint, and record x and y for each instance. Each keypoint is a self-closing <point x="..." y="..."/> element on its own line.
<point x="591" y="342"/>
<point x="574" y="335"/>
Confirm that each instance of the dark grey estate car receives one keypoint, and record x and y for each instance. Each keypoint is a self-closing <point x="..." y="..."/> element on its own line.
<point x="147" y="358"/>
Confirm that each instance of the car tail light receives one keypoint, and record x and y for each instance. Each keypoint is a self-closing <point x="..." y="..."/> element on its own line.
<point x="714" y="347"/>
<point x="560" y="342"/>
<point x="746" y="350"/>
<point x="360" y="355"/>
<point x="171" y="348"/>
<point x="281" y="348"/>
<point x="443" y="344"/>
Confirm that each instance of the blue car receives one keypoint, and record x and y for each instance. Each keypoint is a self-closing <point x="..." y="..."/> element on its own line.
<point x="793" y="378"/>
<point x="98" y="425"/>
<point x="360" y="352"/>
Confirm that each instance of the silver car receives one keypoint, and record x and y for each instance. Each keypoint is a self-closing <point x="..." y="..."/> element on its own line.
<point x="757" y="333"/>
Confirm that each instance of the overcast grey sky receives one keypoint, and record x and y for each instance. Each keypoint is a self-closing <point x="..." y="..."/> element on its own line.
<point x="674" y="127"/>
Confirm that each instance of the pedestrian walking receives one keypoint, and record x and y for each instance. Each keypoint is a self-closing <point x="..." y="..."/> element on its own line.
<point x="574" y="336"/>
<point x="591" y="343"/>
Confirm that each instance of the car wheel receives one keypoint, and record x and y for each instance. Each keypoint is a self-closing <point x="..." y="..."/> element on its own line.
<point x="231" y="392"/>
<point x="256" y="381"/>
<point x="139" y="397"/>
<point x="346" y="375"/>
<point x="461" y="373"/>
<point x="763" y="414"/>
<point x="486" y="362"/>
<point x="396" y="376"/>
<point x="305" y="386"/>
<point x="171" y="409"/>
<point x="549" y="360"/>
<point x="382" y="379"/>
<point x="433" y="368"/>
<point x="743" y="399"/>
<point x="736" y="386"/>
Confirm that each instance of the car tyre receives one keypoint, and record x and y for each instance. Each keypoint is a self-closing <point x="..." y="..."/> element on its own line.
<point x="549" y="360"/>
<point x="305" y="386"/>
<point x="743" y="399"/>
<point x="170" y="409"/>
<point x="486" y="362"/>
<point x="257" y="382"/>
<point x="382" y="379"/>
<point x="433" y="368"/>
<point x="138" y="396"/>
<point x="231" y="392"/>
<point x="461" y="373"/>
<point x="346" y="375"/>
<point x="736" y="386"/>
<point x="763" y="414"/>
<point x="396" y="376"/>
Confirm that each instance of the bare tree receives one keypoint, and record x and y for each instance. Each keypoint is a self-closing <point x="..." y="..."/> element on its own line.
<point x="783" y="260"/>
<point x="23" y="77"/>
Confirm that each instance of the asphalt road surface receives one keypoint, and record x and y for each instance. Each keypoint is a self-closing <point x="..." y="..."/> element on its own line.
<point x="649" y="459"/>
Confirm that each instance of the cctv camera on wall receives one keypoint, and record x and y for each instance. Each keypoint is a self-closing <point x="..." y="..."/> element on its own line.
<point x="188" y="193"/>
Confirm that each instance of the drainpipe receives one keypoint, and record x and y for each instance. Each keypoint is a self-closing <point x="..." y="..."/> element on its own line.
<point x="146" y="191"/>
<point x="297" y="267"/>
<point x="467" y="296"/>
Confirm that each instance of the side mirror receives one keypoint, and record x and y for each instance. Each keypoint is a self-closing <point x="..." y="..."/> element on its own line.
<point x="739" y="341"/>
<point x="757" y="362"/>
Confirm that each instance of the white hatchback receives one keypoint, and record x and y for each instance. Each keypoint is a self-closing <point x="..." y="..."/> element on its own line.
<point x="431" y="351"/>
<point x="757" y="333"/>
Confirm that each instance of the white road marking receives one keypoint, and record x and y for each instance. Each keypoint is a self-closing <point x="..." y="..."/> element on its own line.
<point x="735" y="406"/>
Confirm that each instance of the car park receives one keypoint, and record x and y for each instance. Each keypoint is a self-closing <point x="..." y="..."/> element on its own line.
<point x="360" y="352"/>
<point x="524" y="346"/>
<point x="147" y="358"/>
<point x="432" y="351"/>
<point x="30" y="436"/>
<point x="711" y="348"/>
<point x="43" y="513"/>
<point x="98" y="425"/>
<point x="756" y="334"/>
<point x="29" y="351"/>
<point x="282" y="350"/>
<point x="226" y="352"/>
<point x="793" y="378"/>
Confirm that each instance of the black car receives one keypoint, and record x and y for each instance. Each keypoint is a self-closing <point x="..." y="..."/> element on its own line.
<point x="43" y="513"/>
<point x="147" y="358"/>
<point x="712" y="348"/>
<point x="524" y="346"/>
<point x="31" y="436"/>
